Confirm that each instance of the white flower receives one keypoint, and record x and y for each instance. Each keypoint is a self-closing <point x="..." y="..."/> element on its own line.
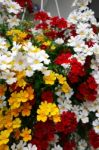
<point x="30" y="147"/>
<point x="64" y="105"/>
<point x="96" y="125"/>
<point x="3" y="45"/>
<point x="82" y="145"/>
<point x="81" y="3"/>
<point x="19" y="146"/>
<point x="81" y="113"/>
<point x="13" y="7"/>
<point x="2" y="101"/>
<point x="77" y="43"/>
<point x="20" y="63"/>
<point x="13" y="21"/>
<point x="16" y="47"/>
<point x="59" y="41"/>
<point x="57" y="147"/>
<point x="8" y="76"/>
<point x="73" y="17"/>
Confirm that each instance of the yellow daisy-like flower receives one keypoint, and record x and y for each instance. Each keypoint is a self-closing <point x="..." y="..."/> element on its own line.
<point x="48" y="43"/>
<point x="48" y="110"/>
<point x="50" y="79"/>
<point x="61" y="78"/>
<point x="16" y="123"/>
<point x="26" y="134"/>
<point x="4" y="137"/>
<point x="17" y="35"/>
<point x="66" y="88"/>
<point x="2" y="89"/>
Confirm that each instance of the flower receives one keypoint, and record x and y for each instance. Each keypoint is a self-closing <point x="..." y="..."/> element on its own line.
<point x="42" y="16"/>
<point x="68" y="123"/>
<point x="50" y="79"/>
<point x="96" y="125"/>
<point x="26" y="134"/>
<point x="4" y="137"/>
<point x="59" y="41"/>
<point x="93" y="139"/>
<point x="57" y="147"/>
<point x="48" y="110"/>
<point x="47" y="96"/>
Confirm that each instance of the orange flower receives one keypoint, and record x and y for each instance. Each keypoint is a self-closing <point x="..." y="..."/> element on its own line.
<point x="2" y="89"/>
<point x="26" y="109"/>
<point x="30" y="91"/>
<point x="26" y="134"/>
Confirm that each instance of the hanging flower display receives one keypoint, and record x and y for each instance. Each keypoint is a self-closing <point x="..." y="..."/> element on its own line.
<point x="49" y="79"/>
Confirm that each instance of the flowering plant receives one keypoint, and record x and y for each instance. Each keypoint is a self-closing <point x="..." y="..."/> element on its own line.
<point x="49" y="80"/>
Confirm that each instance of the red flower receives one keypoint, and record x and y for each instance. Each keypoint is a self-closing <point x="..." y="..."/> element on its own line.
<point x="60" y="23"/>
<point x="63" y="58"/>
<point x="94" y="139"/>
<point x="77" y="71"/>
<point x="87" y="90"/>
<point x="43" y="134"/>
<point x="68" y="123"/>
<point x="69" y="145"/>
<point x="51" y="34"/>
<point x="41" y="16"/>
<point x="43" y="26"/>
<point x="27" y="3"/>
<point x="90" y="43"/>
<point x="47" y="96"/>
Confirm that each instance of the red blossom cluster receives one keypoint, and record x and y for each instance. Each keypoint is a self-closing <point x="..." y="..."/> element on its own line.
<point x="47" y="96"/>
<point x="93" y="139"/>
<point x="69" y="145"/>
<point x="68" y="123"/>
<point x="76" y="68"/>
<point x="63" y="58"/>
<point x="26" y="3"/>
<point x="77" y="71"/>
<point x="46" y="20"/>
<point x="43" y="134"/>
<point x="87" y="90"/>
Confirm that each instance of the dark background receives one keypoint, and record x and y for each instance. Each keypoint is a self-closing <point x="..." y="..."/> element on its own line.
<point x="95" y="7"/>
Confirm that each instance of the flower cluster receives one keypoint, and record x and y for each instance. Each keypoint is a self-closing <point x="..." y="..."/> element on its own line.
<point x="49" y="79"/>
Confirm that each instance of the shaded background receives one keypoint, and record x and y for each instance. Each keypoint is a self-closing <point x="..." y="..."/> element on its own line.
<point x="65" y="7"/>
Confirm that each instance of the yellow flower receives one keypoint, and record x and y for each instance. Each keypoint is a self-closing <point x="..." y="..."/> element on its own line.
<point x="26" y="109"/>
<point x="48" y="43"/>
<point x="21" y="83"/>
<point x="4" y="137"/>
<point x="20" y="79"/>
<point x="16" y="123"/>
<point x="14" y="100"/>
<point x="26" y="134"/>
<point x="50" y="79"/>
<point x="56" y="118"/>
<point x="48" y="110"/>
<point x="4" y="147"/>
<point x="17" y="35"/>
<point x="61" y="78"/>
<point x="66" y="88"/>
<point x="53" y="47"/>
<point x="40" y="38"/>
